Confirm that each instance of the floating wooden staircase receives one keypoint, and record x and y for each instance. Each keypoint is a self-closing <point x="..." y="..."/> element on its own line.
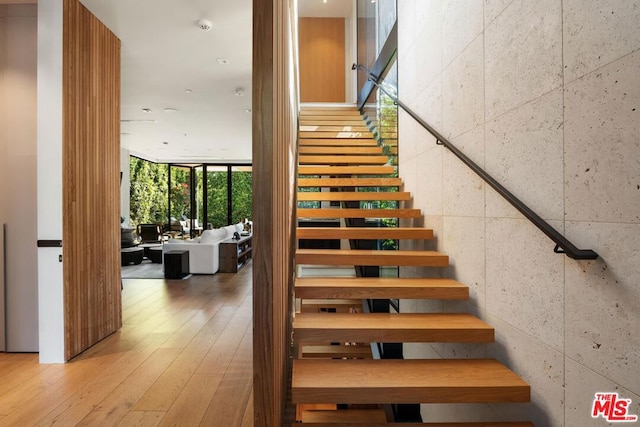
<point x="333" y="330"/>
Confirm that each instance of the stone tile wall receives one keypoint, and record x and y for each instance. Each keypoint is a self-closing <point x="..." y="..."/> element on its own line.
<point x="546" y="96"/>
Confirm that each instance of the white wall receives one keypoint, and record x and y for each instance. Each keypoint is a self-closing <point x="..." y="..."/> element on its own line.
<point x="50" y="283"/>
<point x="546" y="96"/>
<point x="18" y="173"/>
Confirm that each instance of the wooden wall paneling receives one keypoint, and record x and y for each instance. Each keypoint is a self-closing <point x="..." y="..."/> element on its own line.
<point x="274" y="162"/>
<point x="322" y="59"/>
<point x="91" y="179"/>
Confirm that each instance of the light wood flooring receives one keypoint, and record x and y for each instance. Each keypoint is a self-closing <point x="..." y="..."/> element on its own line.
<point x="182" y="358"/>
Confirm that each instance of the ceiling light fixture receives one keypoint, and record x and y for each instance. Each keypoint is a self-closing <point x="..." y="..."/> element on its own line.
<point x="223" y="61"/>
<point x="146" y="110"/>
<point x="248" y="110"/>
<point x="205" y="24"/>
<point x="239" y="91"/>
<point x="188" y="90"/>
<point x="170" y="110"/>
<point x="165" y="142"/>
<point x="138" y="121"/>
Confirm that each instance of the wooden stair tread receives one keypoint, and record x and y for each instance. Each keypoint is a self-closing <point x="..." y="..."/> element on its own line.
<point x="332" y="121"/>
<point x="340" y="159"/>
<point x="336" y="134"/>
<point x="312" y="305"/>
<point x="358" y="416"/>
<point x="332" y="142"/>
<point x="358" y="213"/>
<point x="468" y="424"/>
<point x="325" y="127"/>
<point x="391" y="327"/>
<point x="353" y="196"/>
<point x="415" y="233"/>
<point x="349" y="182"/>
<point x="406" y="381"/>
<point x="380" y="287"/>
<point x="329" y="111"/>
<point x="346" y="170"/>
<point x="371" y="257"/>
<point x="334" y="150"/>
<point x="332" y="351"/>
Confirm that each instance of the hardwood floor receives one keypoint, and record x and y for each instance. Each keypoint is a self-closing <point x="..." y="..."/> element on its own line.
<point x="183" y="357"/>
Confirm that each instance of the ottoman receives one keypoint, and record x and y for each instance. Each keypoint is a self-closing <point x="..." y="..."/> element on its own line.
<point x="131" y="255"/>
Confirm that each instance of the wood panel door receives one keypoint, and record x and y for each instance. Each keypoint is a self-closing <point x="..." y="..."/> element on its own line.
<point x="91" y="179"/>
<point x="322" y="59"/>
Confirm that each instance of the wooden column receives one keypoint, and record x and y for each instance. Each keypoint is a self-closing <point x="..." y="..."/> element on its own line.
<point x="274" y="162"/>
<point x="91" y="179"/>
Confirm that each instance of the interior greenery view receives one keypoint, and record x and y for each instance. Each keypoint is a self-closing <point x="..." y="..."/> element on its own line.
<point x="150" y="184"/>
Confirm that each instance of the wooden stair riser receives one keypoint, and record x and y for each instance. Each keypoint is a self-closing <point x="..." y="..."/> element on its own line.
<point x="380" y="288"/>
<point x="406" y="381"/>
<point x="372" y="258"/>
<point x="386" y="327"/>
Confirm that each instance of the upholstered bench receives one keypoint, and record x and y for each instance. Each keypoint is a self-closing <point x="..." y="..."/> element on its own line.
<point x="131" y="255"/>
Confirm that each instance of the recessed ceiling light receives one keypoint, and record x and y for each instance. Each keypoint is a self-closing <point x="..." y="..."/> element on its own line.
<point x="146" y="110"/>
<point x="324" y="1"/>
<point x="248" y="110"/>
<point x="170" y="110"/>
<point x="239" y="91"/>
<point x="184" y="134"/>
<point x="188" y="90"/>
<point x="165" y="142"/>
<point x="222" y="61"/>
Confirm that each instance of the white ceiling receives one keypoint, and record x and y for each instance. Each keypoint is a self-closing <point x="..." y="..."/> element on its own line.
<point x="164" y="53"/>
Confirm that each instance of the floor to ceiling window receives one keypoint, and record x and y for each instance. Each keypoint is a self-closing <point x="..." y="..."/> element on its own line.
<point x="200" y="196"/>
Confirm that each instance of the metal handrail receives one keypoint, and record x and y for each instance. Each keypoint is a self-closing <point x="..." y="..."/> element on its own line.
<point x="563" y="245"/>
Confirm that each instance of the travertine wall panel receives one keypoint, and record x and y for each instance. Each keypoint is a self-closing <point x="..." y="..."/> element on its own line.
<point x="597" y="33"/>
<point x="602" y="143"/>
<point x="547" y="97"/>
<point x="522" y="62"/>
<point x="524" y="153"/>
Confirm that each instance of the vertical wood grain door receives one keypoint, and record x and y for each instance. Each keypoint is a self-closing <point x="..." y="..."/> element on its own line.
<point x="91" y="180"/>
<point x="322" y="59"/>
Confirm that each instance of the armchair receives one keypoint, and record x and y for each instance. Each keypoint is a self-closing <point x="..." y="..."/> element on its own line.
<point x="150" y="233"/>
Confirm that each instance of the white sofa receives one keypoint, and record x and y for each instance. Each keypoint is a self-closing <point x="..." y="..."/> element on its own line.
<point x="204" y="251"/>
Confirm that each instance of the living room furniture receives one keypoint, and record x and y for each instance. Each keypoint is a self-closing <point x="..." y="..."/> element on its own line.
<point x="148" y="246"/>
<point x="176" y="264"/>
<point x="204" y="251"/>
<point x="155" y="254"/>
<point x="235" y="253"/>
<point x="131" y="255"/>
<point x="150" y="233"/>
